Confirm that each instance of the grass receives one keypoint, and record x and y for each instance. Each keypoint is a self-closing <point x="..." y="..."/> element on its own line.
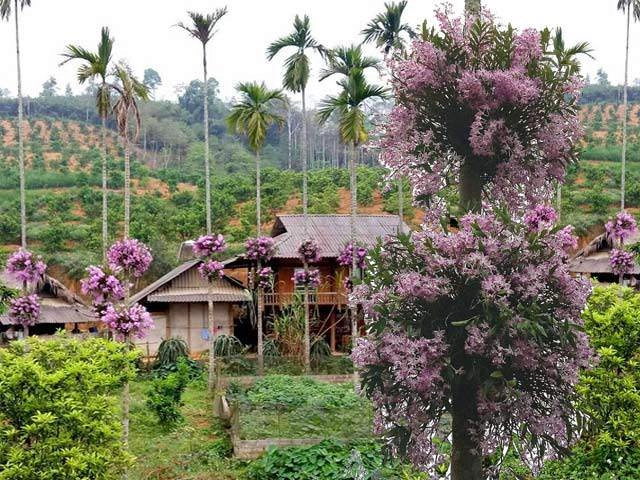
<point x="195" y="450"/>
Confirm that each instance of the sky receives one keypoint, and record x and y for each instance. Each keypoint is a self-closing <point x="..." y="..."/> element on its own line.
<point x="146" y="36"/>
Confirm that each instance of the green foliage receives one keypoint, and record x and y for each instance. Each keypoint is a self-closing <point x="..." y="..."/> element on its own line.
<point x="57" y="417"/>
<point x="329" y="460"/>
<point x="609" y="394"/>
<point x="171" y="350"/>
<point x="165" y="396"/>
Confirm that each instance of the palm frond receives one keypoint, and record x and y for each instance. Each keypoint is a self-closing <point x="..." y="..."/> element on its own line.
<point x="386" y="28"/>
<point x="343" y="60"/>
<point x="202" y="26"/>
<point x="5" y="7"/>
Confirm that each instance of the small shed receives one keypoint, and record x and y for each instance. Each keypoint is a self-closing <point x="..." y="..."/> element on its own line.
<point x="60" y="308"/>
<point x="178" y="304"/>
<point x="593" y="260"/>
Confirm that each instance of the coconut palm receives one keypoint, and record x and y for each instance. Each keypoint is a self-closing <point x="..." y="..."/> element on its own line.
<point x="252" y="116"/>
<point x="630" y="7"/>
<point x="348" y="106"/>
<point x="386" y="28"/>
<point x="96" y="65"/>
<point x="5" y="14"/>
<point x="130" y="91"/>
<point x="295" y="79"/>
<point x="202" y="28"/>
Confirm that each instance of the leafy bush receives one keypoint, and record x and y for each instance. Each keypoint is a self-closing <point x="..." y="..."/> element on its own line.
<point x="57" y="416"/>
<point x="165" y="396"/>
<point x="171" y="353"/>
<point x="329" y="460"/>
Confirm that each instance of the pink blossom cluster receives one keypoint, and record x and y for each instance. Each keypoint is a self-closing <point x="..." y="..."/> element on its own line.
<point x="133" y="321"/>
<point x="622" y="261"/>
<point x="24" y="266"/>
<point x="346" y="256"/>
<point x="265" y="277"/>
<point x="309" y="251"/>
<point x="130" y="257"/>
<point x="207" y="245"/>
<point x="103" y="288"/>
<point x="310" y="278"/>
<point x="518" y="138"/>
<point x="25" y="310"/>
<point x="622" y="227"/>
<point x="211" y="270"/>
<point x="503" y="291"/>
<point x="261" y="249"/>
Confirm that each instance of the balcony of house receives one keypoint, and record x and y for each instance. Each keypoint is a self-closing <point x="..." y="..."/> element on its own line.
<point x="315" y="298"/>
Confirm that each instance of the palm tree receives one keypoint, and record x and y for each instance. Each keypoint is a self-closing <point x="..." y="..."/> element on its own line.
<point x="96" y="66"/>
<point x="130" y="92"/>
<point x="295" y="79"/>
<point x="251" y="116"/>
<point x="348" y="107"/>
<point x="5" y="14"/>
<point x="386" y="28"/>
<point x="202" y="29"/>
<point x="630" y="7"/>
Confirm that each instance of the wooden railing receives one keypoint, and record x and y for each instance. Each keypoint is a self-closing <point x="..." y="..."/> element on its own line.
<point x="315" y="298"/>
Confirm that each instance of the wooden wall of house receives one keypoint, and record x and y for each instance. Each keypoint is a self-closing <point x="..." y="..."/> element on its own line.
<point x="188" y="320"/>
<point x="332" y="276"/>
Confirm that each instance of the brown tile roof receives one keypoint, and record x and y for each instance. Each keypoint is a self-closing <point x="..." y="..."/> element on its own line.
<point x="331" y="232"/>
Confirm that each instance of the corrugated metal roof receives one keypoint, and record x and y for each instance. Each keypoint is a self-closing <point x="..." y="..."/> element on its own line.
<point x="185" y="284"/>
<point x="331" y="232"/>
<point x="594" y="258"/>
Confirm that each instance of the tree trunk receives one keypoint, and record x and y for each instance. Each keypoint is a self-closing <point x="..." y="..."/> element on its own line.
<point x="624" y="112"/>
<point x="465" y="465"/>
<point x="207" y="166"/>
<point x="400" y="206"/>
<point x="289" y="135"/>
<point x="260" y="299"/>
<point x="105" y="192"/>
<point x="258" y="199"/>
<point x="212" y="340"/>
<point x="305" y="220"/>
<point x="353" y="309"/>
<point x="127" y="184"/>
<point x="470" y="188"/>
<point x="126" y="403"/>
<point x="23" y="201"/>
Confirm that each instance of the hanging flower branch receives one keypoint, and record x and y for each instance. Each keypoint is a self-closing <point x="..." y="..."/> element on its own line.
<point x="130" y="257"/>
<point x="265" y="278"/>
<point x="621" y="228"/>
<point x="208" y="245"/>
<point x="309" y="252"/>
<point x="103" y="288"/>
<point x="310" y="278"/>
<point x="346" y="256"/>
<point x="134" y="321"/>
<point x="25" y="310"/>
<point x="26" y="267"/>
<point x="621" y="261"/>
<point x="261" y="249"/>
<point x="211" y="270"/>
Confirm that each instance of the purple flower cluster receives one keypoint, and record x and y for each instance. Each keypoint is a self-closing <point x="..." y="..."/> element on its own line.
<point x="261" y="249"/>
<point x="207" y="245"/>
<point x="346" y="256"/>
<point x="211" y="270"/>
<point x="25" y="310"/>
<point x="309" y="251"/>
<point x="491" y="279"/>
<point x="621" y="261"/>
<point x="103" y="288"/>
<point x="541" y="217"/>
<point x="134" y="321"/>
<point x="265" y="277"/>
<point x="621" y="228"/>
<point x="25" y="266"/>
<point x="130" y="257"/>
<point x="310" y="278"/>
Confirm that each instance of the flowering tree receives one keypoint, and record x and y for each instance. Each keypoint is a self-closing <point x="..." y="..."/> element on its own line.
<point x="482" y="324"/>
<point x="208" y="247"/>
<point x="28" y="269"/>
<point x="260" y="250"/>
<point x="309" y="252"/>
<point x="618" y="230"/>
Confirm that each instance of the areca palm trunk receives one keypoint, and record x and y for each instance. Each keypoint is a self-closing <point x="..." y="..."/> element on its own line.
<point x="353" y="309"/>
<point x="624" y="112"/>
<point x="305" y="213"/>
<point x="23" y="201"/>
<point x="105" y="193"/>
<point x="400" y="206"/>
<point x="260" y="299"/>
<point x="127" y="186"/>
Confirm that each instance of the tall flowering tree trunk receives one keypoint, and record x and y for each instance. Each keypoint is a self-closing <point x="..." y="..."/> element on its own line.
<point x="260" y="290"/>
<point x="23" y="201"/>
<point x="353" y="309"/>
<point x="127" y="186"/>
<point x="305" y="213"/>
<point x="624" y="113"/>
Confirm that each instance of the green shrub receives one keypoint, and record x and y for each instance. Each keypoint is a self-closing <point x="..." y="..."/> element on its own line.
<point x="57" y="414"/>
<point x="165" y="396"/>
